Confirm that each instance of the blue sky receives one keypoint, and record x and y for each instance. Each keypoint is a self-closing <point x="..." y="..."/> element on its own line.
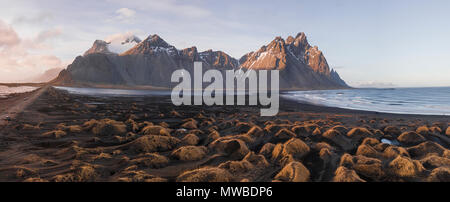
<point x="370" y="43"/>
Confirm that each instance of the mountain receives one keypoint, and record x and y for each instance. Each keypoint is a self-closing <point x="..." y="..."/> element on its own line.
<point x="114" y="45"/>
<point x="301" y="65"/>
<point x="152" y="44"/>
<point x="152" y="61"/>
<point x="219" y="59"/>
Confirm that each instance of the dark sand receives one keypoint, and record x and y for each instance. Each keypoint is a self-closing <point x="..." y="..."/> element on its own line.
<point x="63" y="137"/>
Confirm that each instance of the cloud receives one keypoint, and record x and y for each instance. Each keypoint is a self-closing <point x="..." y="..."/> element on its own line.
<point x="121" y="37"/>
<point x="42" y="17"/>
<point x="39" y="42"/>
<point x="17" y="59"/>
<point x="125" y="14"/>
<point x="48" y="34"/>
<point x="169" y="6"/>
<point x="122" y="42"/>
<point x="179" y="9"/>
<point x="8" y="37"/>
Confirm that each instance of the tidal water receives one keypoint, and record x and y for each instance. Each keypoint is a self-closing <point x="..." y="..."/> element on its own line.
<point x="428" y="101"/>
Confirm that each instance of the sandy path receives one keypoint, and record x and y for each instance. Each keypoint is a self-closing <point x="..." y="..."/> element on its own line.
<point x="11" y="107"/>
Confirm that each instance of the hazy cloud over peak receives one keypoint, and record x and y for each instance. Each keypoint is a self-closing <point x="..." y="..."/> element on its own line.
<point x="120" y="36"/>
<point x="120" y="42"/>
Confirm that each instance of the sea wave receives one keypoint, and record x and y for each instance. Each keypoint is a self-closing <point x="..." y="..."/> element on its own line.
<point x="427" y="101"/>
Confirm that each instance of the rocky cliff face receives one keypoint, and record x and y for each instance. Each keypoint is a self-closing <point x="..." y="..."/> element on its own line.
<point x="219" y="59"/>
<point x="301" y="65"/>
<point x="153" y="60"/>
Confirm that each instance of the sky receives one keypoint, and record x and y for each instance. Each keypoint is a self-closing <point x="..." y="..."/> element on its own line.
<point x="380" y="43"/>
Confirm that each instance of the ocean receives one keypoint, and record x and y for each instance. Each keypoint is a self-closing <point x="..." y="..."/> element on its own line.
<point x="427" y="101"/>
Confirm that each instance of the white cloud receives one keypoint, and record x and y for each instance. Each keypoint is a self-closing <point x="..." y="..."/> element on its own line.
<point x="169" y="6"/>
<point x="122" y="42"/>
<point x="120" y="37"/>
<point x="125" y="14"/>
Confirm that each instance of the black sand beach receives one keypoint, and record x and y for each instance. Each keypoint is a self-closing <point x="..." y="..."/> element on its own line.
<point x="64" y="137"/>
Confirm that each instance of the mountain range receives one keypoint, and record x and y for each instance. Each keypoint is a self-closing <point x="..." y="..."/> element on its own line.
<point x="152" y="61"/>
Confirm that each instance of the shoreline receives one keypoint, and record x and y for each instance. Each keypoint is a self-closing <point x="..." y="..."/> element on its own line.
<point x="289" y="102"/>
<point x="300" y="104"/>
<point x="286" y="105"/>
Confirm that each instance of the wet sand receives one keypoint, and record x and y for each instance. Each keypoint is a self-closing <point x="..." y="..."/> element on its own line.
<point x="63" y="137"/>
<point x="14" y="104"/>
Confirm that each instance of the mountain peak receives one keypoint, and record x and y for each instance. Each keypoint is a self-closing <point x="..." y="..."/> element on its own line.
<point x="156" y="41"/>
<point x="316" y="60"/>
<point x="277" y="41"/>
<point x="290" y="39"/>
<point x="218" y="59"/>
<point x="294" y="54"/>
<point x="99" y="46"/>
<point x="100" y="42"/>
<point x="190" y="52"/>
<point x="300" y="40"/>
<point x="151" y="44"/>
<point x="301" y="35"/>
<point x="152" y="61"/>
<point x="272" y="56"/>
